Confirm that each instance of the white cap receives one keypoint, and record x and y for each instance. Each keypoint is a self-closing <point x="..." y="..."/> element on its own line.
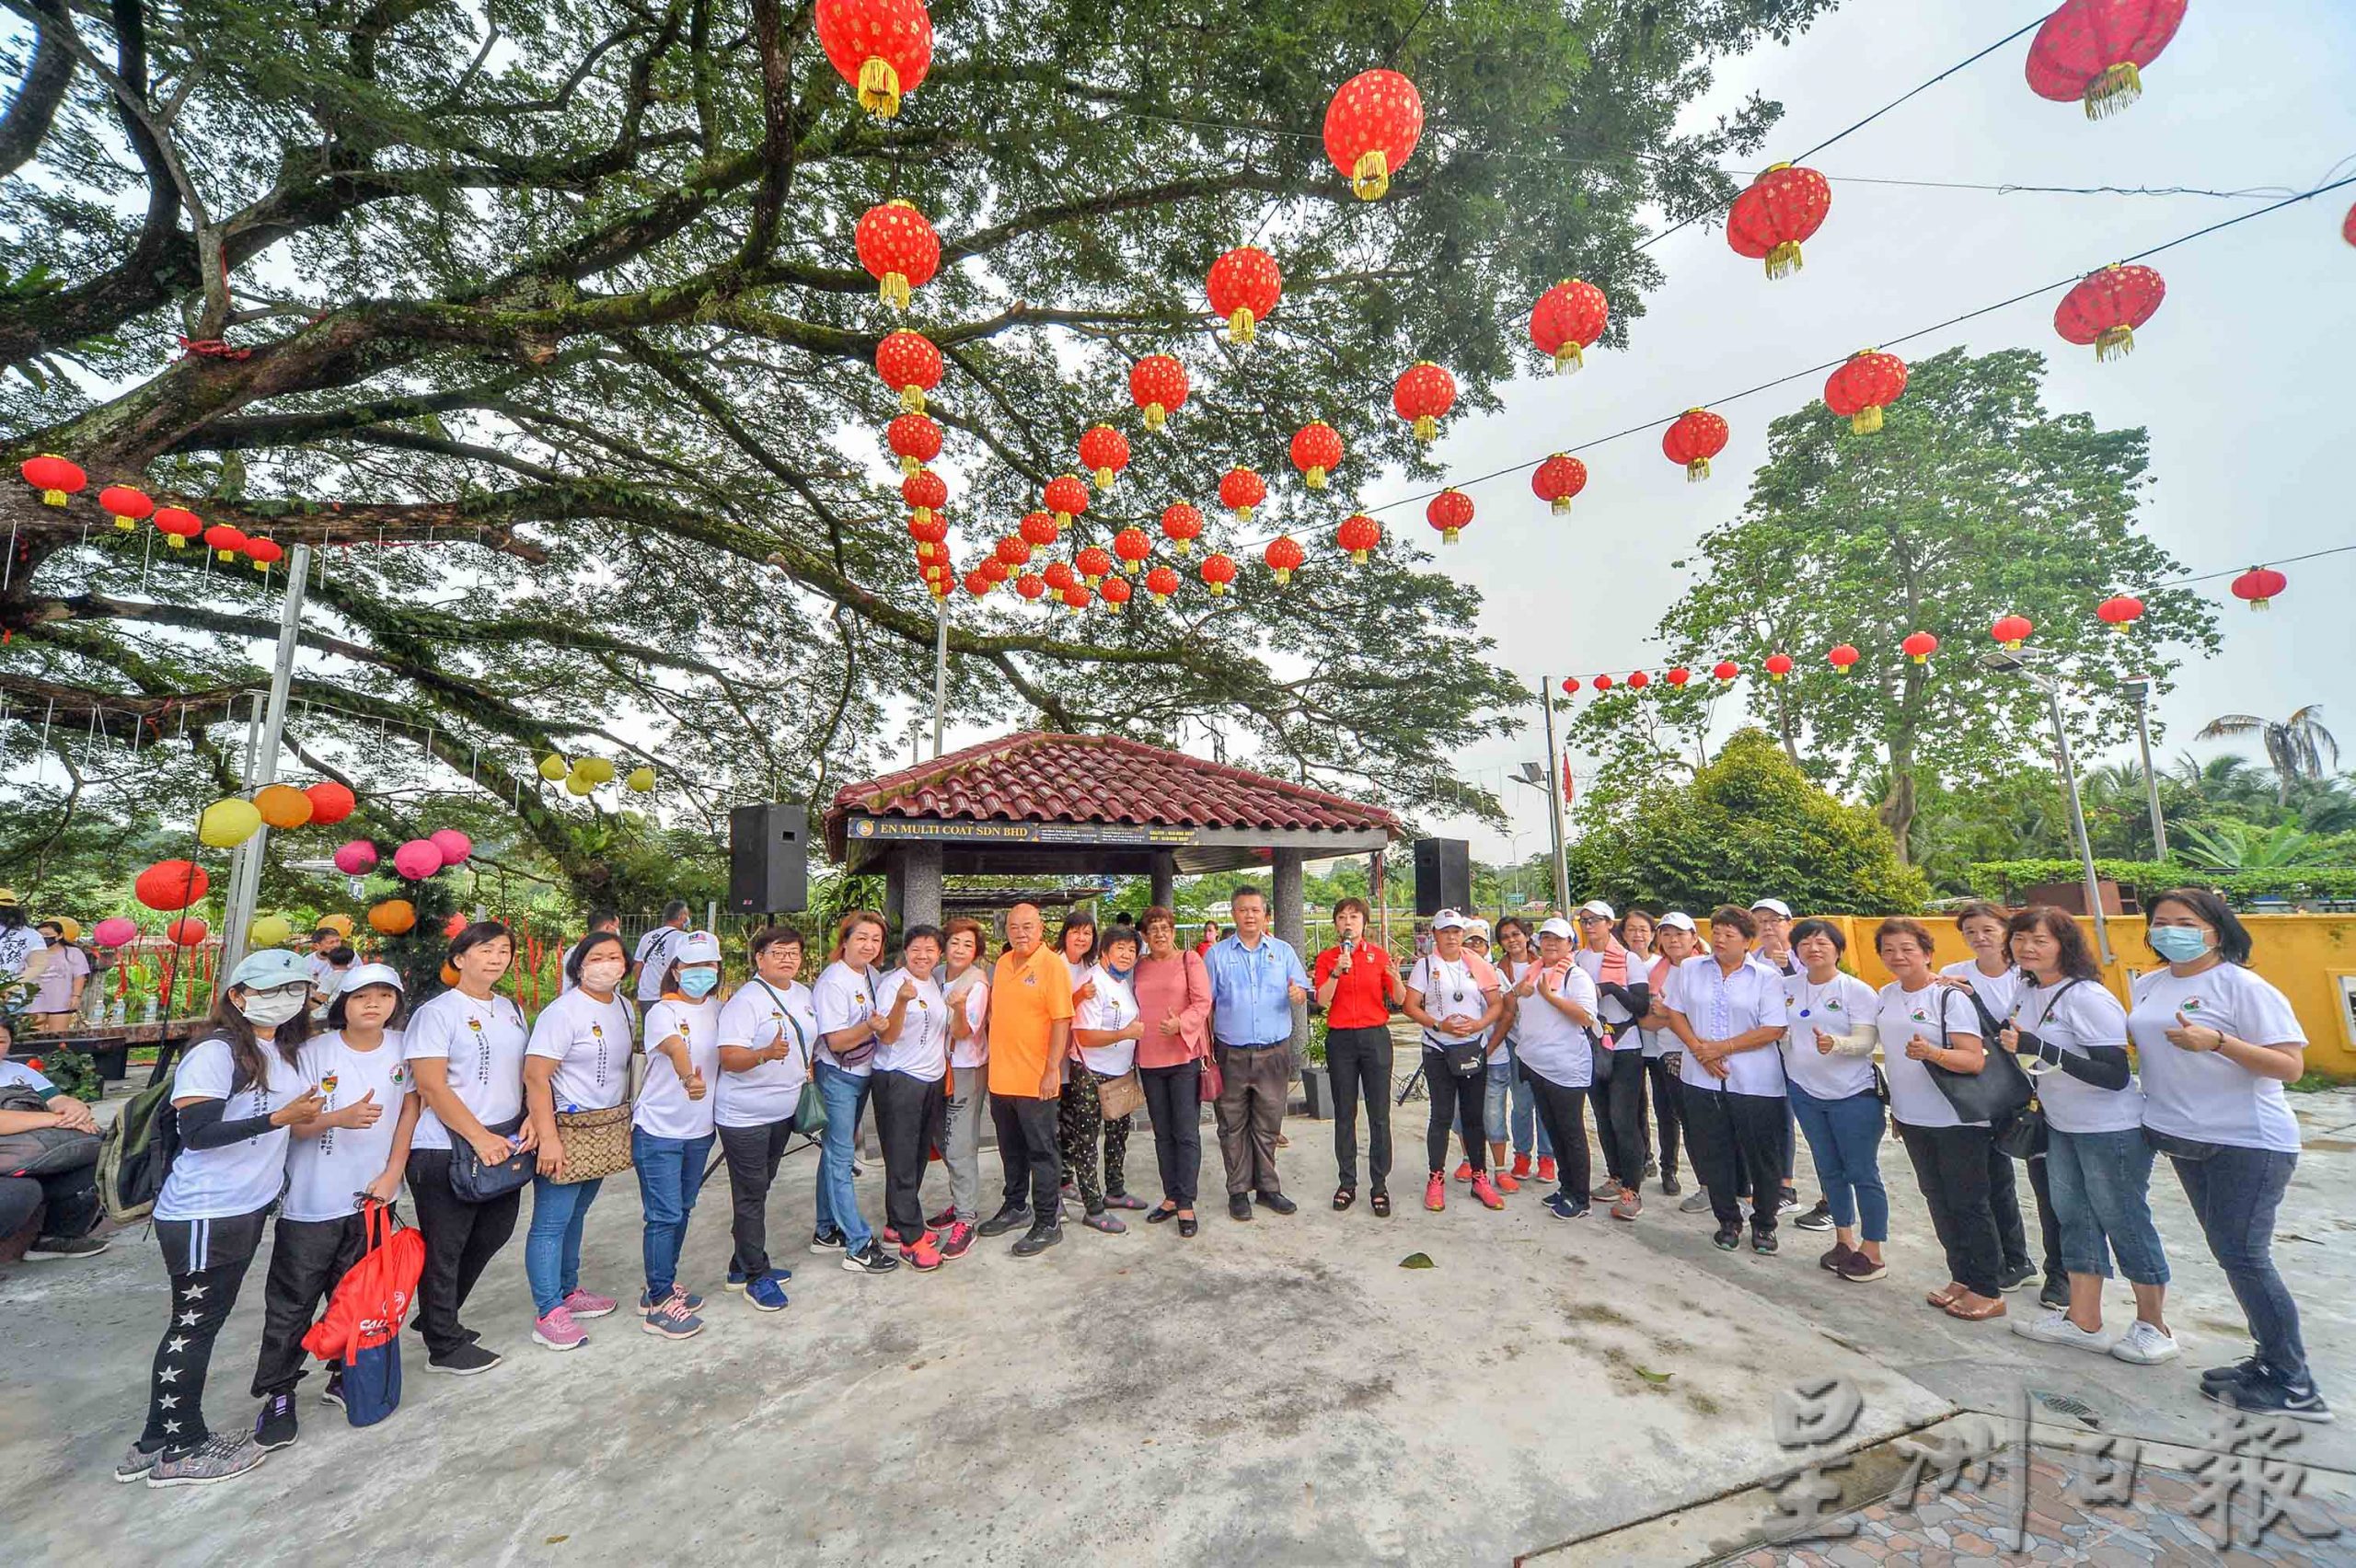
<point x="1597" y="906"/>
<point x="698" y="947"/>
<point x="1449" y="920"/>
<point x="1773" y="906"/>
<point x="1476" y="926"/>
<point x="1682" y="920"/>
<point x="370" y="974"/>
<point x="1555" y="926"/>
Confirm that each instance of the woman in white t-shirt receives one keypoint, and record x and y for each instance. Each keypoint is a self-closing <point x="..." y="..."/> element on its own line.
<point x="1510" y="1106"/>
<point x="768" y="1032"/>
<point x="578" y="1060"/>
<point x="671" y="1127"/>
<point x="909" y="1083"/>
<point x="1678" y="940"/>
<point x="1107" y="1027"/>
<point x="2216" y="1044"/>
<point x="236" y="1094"/>
<point x="1455" y="996"/>
<point x="1558" y="1004"/>
<point x="1828" y="1045"/>
<point x="966" y="988"/>
<point x="1623" y="980"/>
<point x="1990" y="977"/>
<point x="2071" y="1033"/>
<point x="847" y="998"/>
<point x="358" y="1149"/>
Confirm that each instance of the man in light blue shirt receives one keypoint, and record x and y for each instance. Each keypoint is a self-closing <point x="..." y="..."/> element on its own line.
<point x="1255" y="979"/>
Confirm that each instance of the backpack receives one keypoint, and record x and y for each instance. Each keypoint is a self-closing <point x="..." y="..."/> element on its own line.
<point x="361" y="1328"/>
<point x="137" y="1149"/>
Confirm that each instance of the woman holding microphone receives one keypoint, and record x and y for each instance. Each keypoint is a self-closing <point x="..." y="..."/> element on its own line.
<point x="1357" y="985"/>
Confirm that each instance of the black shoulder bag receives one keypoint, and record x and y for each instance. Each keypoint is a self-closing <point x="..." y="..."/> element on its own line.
<point x="1994" y="1094"/>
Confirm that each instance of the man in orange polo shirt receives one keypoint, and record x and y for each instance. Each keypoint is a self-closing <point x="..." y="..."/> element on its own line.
<point x="1030" y="1033"/>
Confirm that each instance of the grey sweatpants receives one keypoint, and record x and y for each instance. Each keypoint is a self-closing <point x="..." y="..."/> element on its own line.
<point x="963" y="1154"/>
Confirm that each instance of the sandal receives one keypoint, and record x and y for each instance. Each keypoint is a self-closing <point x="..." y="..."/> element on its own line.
<point x="1993" y="1307"/>
<point x="1380" y="1204"/>
<point x="1943" y="1298"/>
<point x="1343" y="1197"/>
<point x="1187" y="1225"/>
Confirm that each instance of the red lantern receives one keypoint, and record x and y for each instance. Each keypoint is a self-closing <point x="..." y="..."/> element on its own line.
<point x="1557" y="480"/>
<point x="995" y="569"/>
<point x="1158" y="385"/>
<point x="2121" y="611"/>
<point x="1065" y="497"/>
<point x="225" y="541"/>
<point x="2348" y="227"/>
<point x="1678" y="676"/>
<point x="170" y="884"/>
<point x="1038" y="529"/>
<point x="1842" y="657"/>
<point x="1133" y="548"/>
<point x="1284" y="558"/>
<point x="1372" y="128"/>
<point x="1359" y="534"/>
<point x="1726" y="669"/>
<point x="910" y="365"/>
<point x="1696" y="437"/>
<point x="1029" y="586"/>
<point x="978" y="582"/>
<point x="1240" y="490"/>
<point x="927" y="527"/>
<point x="1566" y="319"/>
<point x="1570" y="685"/>
<point x="915" y="439"/>
<point x="931" y="553"/>
<point x="330" y="802"/>
<point x="1013" y="550"/>
<point x="178" y="527"/>
<point x="1316" y="452"/>
<point x="2106" y="307"/>
<point x="1602" y="684"/>
<point x="1919" y="646"/>
<point x="1116" y="592"/>
<point x="882" y="48"/>
<point x="1783" y="208"/>
<point x="1161" y="582"/>
<point x="2011" y="632"/>
<point x="2258" y="585"/>
<point x="1244" y="286"/>
<point x="925" y="490"/>
<point x="187" y="931"/>
<point x="1639" y="680"/>
<point x="264" y="553"/>
<point x="1219" y="570"/>
<point x="898" y="248"/>
<point x="1182" y="525"/>
<point x="127" y="506"/>
<point x="1106" y="451"/>
<point x="2091" y="50"/>
<point x="1077" y="598"/>
<point x="1060" y="576"/>
<point x="52" y="476"/>
<point x="1858" y="391"/>
<point x="1423" y="394"/>
<point x="1450" y="512"/>
<point x="1778" y="665"/>
<point x="1095" y="565"/>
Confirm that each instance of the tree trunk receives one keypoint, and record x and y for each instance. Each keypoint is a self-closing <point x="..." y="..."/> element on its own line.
<point x="1897" y="808"/>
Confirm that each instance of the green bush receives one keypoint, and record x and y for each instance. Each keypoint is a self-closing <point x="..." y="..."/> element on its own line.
<point x="2144" y="879"/>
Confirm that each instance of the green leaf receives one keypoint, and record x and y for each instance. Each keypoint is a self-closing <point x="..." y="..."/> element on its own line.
<point x="1417" y="1261"/>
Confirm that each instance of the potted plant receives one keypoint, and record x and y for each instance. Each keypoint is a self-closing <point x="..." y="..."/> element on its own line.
<point x="1316" y="1079"/>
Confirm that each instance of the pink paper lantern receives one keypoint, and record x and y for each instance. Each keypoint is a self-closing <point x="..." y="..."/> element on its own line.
<point x="455" y="845"/>
<point x="417" y="859"/>
<point x="116" y="931"/>
<point x="356" y="858"/>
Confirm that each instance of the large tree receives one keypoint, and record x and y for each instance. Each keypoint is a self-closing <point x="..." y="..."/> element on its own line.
<point x="565" y="297"/>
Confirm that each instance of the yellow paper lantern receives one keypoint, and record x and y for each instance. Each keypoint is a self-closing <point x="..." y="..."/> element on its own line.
<point x="271" y="931"/>
<point x="341" y="924"/>
<point x="282" y="805"/>
<point x="596" y="770"/>
<point x="392" y="917"/>
<point x="640" y="779"/>
<point x="574" y="784"/>
<point x="551" y="767"/>
<point x="229" y="822"/>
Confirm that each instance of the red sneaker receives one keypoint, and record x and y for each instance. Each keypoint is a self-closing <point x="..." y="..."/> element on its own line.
<point x="1436" y="1193"/>
<point x="942" y="1220"/>
<point x="1485" y="1192"/>
<point x="958" y="1238"/>
<point x="1505" y="1184"/>
<point x="1545" y="1170"/>
<point x="1521" y="1165"/>
<point x="1465" y="1171"/>
<point x="924" y="1257"/>
<point x="890" y="1237"/>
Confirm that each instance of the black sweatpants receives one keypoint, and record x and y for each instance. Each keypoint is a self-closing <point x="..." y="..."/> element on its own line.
<point x="460" y="1240"/>
<point x="1026" y="1148"/>
<point x="206" y="1259"/>
<point x="1740" y="1144"/>
<point x="68" y="1202"/>
<point x="307" y="1257"/>
<point x="1359" y="1061"/>
<point x="2004" y="1208"/>
<point x="1951" y="1167"/>
<point x="1173" y="1103"/>
<point x="1461" y="1101"/>
<point x="1622" y="1128"/>
<point x="911" y="1117"/>
<point x="1563" y="1111"/>
<point x="1668" y="1111"/>
<point x="753" y="1154"/>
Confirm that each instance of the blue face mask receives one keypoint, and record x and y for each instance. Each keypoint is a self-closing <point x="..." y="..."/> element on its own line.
<point x="698" y="983"/>
<point x="2179" y="944"/>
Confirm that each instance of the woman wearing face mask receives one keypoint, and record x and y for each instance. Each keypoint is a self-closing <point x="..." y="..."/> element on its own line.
<point x="1509" y="1106"/>
<point x="1107" y="1027"/>
<point x="1828" y="1038"/>
<point x="1664" y="1058"/>
<point x="1623" y="985"/>
<point x="911" y="1109"/>
<point x="2216" y="1044"/>
<point x="768" y="1031"/>
<point x="465" y="1047"/>
<point x="1726" y="1007"/>
<point x="850" y="1017"/>
<point x="2072" y="1033"/>
<point x="1992" y="983"/>
<point x="1077" y="941"/>
<point x="966" y="992"/>
<point x="578" y="1059"/>
<point x="1457" y="1004"/>
<point x="237" y="1092"/>
<point x="671" y="1128"/>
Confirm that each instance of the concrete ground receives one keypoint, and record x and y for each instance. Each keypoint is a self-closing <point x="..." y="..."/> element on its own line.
<point x="1276" y="1391"/>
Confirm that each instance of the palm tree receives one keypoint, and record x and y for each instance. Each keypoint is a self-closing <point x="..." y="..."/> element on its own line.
<point x="2297" y="746"/>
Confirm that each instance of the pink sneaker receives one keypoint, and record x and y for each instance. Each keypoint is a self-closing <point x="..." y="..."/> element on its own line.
<point x="959" y="1237"/>
<point x="582" y="1304"/>
<point x="1487" y="1194"/>
<point x="559" y="1331"/>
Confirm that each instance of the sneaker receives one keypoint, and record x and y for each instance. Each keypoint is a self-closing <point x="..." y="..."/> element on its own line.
<point x="766" y="1294"/>
<point x="827" y="1240"/>
<point x="735" y="1280"/>
<point x="2055" y="1328"/>
<point x="671" y="1318"/>
<point x="1487" y="1192"/>
<point x="274" y="1426"/>
<point x="582" y="1303"/>
<point x="65" y="1247"/>
<point x="1628" y="1206"/>
<point x="1670" y="1186"/>
<point x="1123" y="1201"/>
<point x="890" y="1235"/>
<point x="1037" y="1239"/>
<point x="215" y="1458"/>
<point x="2264" y="1394"/>
<point x="2055" y="1294"/>
<point x="558" y="1331"/>
<point x="956" y="1240"/>
<point x="1464" y="1171"/>
<point x="464" y="1361"/>
<point x="1786" y="1200"/>
<point x="1069" y="1193"/>
<point x="1841" y="1253"/>
<point x="1011" y="1218"/>
<point x="1104" y="1221"/>
<point x="870" y="1259"/>
<point x="136" y="1462"/>
<point x="1858" y="1269"/>
<point x="2241" y="1371"/>
<point x="333" y="1393"/>
<point x="942" y="1220"/>
<point x="1727" y="1238"/>
<point x="1505" y="1184"/>
<point x="1763" y="1241"/>
<point x="2145" y="1345"/>
<point x="1436" y="1193"/>
<point x="1695" y="1201"/>
<point x="2014" y="1276"/>
<point x="1521" y="1165"/>
<point x="678" y="1292"/>
<point x="1546" y="1171"/>
<point x="1561" y="1207"/>
<point x="1652" y="1167"/>
<point x="1817" y="1218"/>
<point x="921" y="1255"/>
<point x="1606" y="1191"/>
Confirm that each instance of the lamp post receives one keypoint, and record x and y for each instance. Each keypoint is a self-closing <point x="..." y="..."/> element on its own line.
<point x="2141" y="687"/>
<point x="2023" y="661"/>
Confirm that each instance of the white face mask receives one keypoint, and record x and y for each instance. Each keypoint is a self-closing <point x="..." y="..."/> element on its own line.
<point x="268" y="1009"/>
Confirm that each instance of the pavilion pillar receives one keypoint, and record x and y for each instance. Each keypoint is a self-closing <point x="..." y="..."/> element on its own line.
<point x="919" y="885"/>
<point x="1292" y="925"/>
<point x="895" y="880"/>
<point x="1165" y="879"/>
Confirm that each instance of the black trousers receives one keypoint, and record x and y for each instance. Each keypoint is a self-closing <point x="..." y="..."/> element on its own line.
<point x="1563" y="1110"/>
<point x="753" y="1154"/>
<point x="911" y="1117"/>
<point x="1359" y="1061"/>
<point x="68" y="1200"/>
<point x="306" y="1261"/>
<point x="1951" y="1167"/>
<point x="1173" y="1103"/>
<point x="2004" y="1208"/>
<point x="2049" y="1224"/>
<point x="1459" y="1102"/>
<point x="1622" y="1128"/>
<point x="1026" y="1148"/>
<point x="460" y="1240"/>
<point x="206" y="1259"/>
<point x="1669" y="1109"/>
<point x="1740" y="1144"/>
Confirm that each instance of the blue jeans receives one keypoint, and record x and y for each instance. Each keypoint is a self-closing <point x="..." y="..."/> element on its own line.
<point x="670" y="1170"/>
<point x="845" y="1096"/>
<point x="1504" y="1085"/>
<point x="552" y="1246"/>
<point x="1845" y="1138"/>
<point x="2234" y="1193"/>
<point x="2102" y="1192"/>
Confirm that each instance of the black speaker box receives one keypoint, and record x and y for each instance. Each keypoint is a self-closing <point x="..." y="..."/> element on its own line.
<point x="1443" y="874"/>
<point x="768" y="859"/>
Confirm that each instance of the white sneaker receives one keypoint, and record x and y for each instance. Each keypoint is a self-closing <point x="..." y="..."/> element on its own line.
<point x="2147" y="1346"/>
<point x="2055" y="1328"/>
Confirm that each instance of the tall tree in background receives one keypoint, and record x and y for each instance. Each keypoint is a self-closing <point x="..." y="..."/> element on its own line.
<point x="2299" y="748"/>
<point x="566" y="297"/>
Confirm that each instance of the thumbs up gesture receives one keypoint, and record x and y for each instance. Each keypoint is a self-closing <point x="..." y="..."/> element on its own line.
<point x="361" y="1113"/>
<point x="1921" y="1050"/>
<point x="2191" y="1036"/>
<point x="693" y="1083"/>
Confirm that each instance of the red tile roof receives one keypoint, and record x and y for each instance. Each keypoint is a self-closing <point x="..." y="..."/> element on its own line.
<point x="1038" y="777"/>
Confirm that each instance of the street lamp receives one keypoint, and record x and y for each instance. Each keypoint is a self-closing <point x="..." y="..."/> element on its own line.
<point x="2141" y="687"/>
<point x="1541" y="776"/>
<point x="2023" y="661"/>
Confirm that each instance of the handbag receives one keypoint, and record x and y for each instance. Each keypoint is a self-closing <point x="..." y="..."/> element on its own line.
<point x="1993" y="1094"/>
<point x="1120" y="1095"/>
<point x="2028" y="1136"/>
<point x="595" y="1143"/>
<point x="362" y="1329"/>
<point x="476" y="1182"/>
<point x="1213" y="1082"/>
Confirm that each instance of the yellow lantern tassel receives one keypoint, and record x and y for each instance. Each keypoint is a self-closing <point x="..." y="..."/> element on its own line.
<point x="2114" y="89"/>
<point x="1448" y="536"/>
<point x="1132" y="567"/>
<point x="1217" y="589"/>
<point x="1567" y="359"/>
<point x="1866" y="421"/>
<point x="1155" y="416"/>
<point x="262" y="566"/>
<point x="879" y="87"/>
<point x="1357" y="558"/>
<point x="2114" y="342"/>
<point x="912" y="398"/>
<point x="1371" y="176"/>
<point x="1063" y="519"/>
<point x="1315" y="478"/>
<point x="909" y="464"/>
<point x="1284" y="575"/>
<point x="1425" y="427"/>
<point x="174" y="541"/>
<point x="1562" y="506"/>
<point x="1103" y="478"/>
<point x="126" y="523"/>
<point x="226" y="555"/>
<point x="1242" y="325"/>
<point x="1697" y="470"/>
<point x="1784" y="260"/>
<point x="1243" y="514"/>
<point x="895" y="290"/>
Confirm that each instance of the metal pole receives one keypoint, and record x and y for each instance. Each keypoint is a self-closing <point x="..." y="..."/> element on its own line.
<point x="2078" y="822"/>
<point x="244" y="882"/>
<point x="2143" y="684"/>
<point x="1555" y="797"/>
<point x="940" y="670"/>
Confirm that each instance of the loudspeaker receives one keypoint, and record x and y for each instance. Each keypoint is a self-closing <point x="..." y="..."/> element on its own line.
<point x="1443" y="874"/>
<point x="768" y="859"/>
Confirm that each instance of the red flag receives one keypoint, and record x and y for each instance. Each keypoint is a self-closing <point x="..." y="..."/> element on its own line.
<point x="1566" y="775"/>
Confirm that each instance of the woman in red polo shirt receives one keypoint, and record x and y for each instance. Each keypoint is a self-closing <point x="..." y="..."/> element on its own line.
<point x="1356" y="984"/>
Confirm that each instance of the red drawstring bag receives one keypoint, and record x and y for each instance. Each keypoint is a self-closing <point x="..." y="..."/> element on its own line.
<point x="361" y="1329"/>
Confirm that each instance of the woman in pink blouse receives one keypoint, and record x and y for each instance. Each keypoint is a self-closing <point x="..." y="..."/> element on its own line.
<point x="1174" y="993"/>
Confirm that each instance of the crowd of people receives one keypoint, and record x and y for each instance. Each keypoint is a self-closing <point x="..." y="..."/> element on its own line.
<point x="290" y="1125"/>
